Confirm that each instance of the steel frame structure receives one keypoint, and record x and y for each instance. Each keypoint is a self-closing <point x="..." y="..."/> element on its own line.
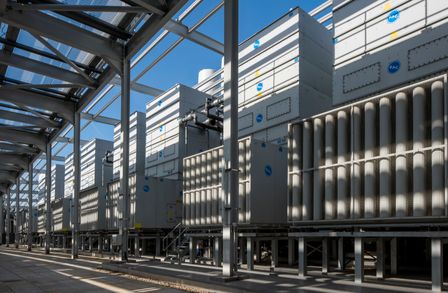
<point x="50" y="111"/>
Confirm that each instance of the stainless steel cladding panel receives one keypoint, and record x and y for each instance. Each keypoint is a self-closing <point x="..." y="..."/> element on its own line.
<point x="60" y="214"/>
<point x="262" y="179"/>
<point x="93" y="171"/>
<point x="69" y="176"/>
<point x="137" y="134"/>
<point x="156" y="203"/>
<point x="384" y="157"/>
<point x="92" y="209"/>
<point x="387" y="44"/>
<point x="41" y="217"/>
<point x="57" y="182"/>
<point x="167" y="142"/>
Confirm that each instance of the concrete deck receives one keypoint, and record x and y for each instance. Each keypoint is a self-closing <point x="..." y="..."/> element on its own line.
<point x="25" y="273"/>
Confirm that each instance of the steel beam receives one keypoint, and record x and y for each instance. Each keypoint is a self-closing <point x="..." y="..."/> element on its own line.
<point x="82" y="8"/>
<point x="43" y="69"/>
<point x="11" y="168"/>
<point x="6" y="176"/>
<point x="18" y="136"/>
<point x="194" y="36"/>
<point x="124" y="174"/>
<point x="58" y="30"/>
<point x="70" y="140"/>
<point x="151" y="7"/>
<point x="76" y="183"/>
<point x="54" y="158"/>
<point x="28" y="119"/>
<point x="140" y="88"/>
<point x="18" y="148"/>
<point x="100" y="119"/>
<point x="63" y="108"/>
<point x="17" y="235"/>
<point x="48" y="199"/>
<point x="30" y="207"/>
<point x="20" y="161"/>
<point x="230" y="137"/>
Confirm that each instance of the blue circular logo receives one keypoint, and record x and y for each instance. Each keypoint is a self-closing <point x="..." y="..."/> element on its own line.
<point x="268" y="170"/>
<point x="297" y="59"/>
<point x="257" y="44"/>
<point x="394" y="67"/>
<point x="160" y="154"/>
<point x="280" y="149"/>
<point x="159" y="103"/>
<point x="259" y="86"/>
<point x="393" y="16"/>
<point x="291" y="14"/>
<point x="259" y="118"/>
<point x="161" y="128"/>
<point x="146" y="188"/>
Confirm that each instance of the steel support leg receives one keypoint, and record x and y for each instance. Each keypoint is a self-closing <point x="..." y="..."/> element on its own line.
<point x="192" y="247"/>
<point x="291" y="251"/>
<point x="76" y="183"/>
<point x="2" y="219"/>
<point x="274" y="251"/>
<point x="393" y="256"/>
<point x="217" y="254"/>
<point x="341" y="260"/>
<point x="437" y="264"/>
<point x="8" y="218"/>
<point x="230" y="137"/>
<point x="359" y="260"/>
<point x="325" y="256"/>
<point x="17" y="231"/>
<point x="302" y="257"/>
<point x="100" y="244"/>
<point x="380" y="258"/>
<point x="30" y="207"/>
<point x="258" y="251"/>
<point x="48" y="199"/>
<point x="124" y="174"/>
<point x="158" y="244"/>
<point x="250" y="253"/>
<point x="137" y="246"/>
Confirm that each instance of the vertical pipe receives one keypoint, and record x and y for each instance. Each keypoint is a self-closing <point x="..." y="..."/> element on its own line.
<point x="48" y="198"/>
<point x="8" y="217"/>
<point x="187" y="192"/>
<point x="76" y="183"/>
<point x="302" y="257"/>
<point x="418" y="163"/>
<point x="124" y="174"/>
<point x="359" y="260"/>
<point x="307" y="206"/>
<point x="342" y="176"/>
<point x="247" y="171"/>
<point x="437" y="264"/>
<point x="341" y="259"/>
<point x="296" y="154"/>
<point x="355" y="175"/>
<point x="380" y="259"/>
<point x="385" y="189"/>
<point x="2" y="218"/>
<point x="330" y="207"/>
<point x="198" y="191"/>
<point x="242" y="184"/>
<point x="203" y="159"/>
<point x="193" y="216"/>
<point x="393" y="256"/>
<point x="370" y="200"/>
<point x="217" y="252"/>
<point x="317" y="188"/>
<point x="230" y="136"/>
<point x="274" y="252"/>
<point x="291" y="251"/>
<point x="30" y="206"/>
<point x="192" y="248"/>
<point x="17" y="235"/>
<point x="215" y="171"/>
<point x="208" y="184"/>
<point x="325" y="256"/>
<point x="437" y="155"/>
<point x="401" y="145"/>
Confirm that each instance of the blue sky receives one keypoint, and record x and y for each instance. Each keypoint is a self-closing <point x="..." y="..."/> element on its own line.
<point x="183" y="63"/>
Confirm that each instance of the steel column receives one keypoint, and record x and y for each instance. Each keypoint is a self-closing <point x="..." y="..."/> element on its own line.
<point x="8" y="217"/>
<point x="359" y="260"/>
<point x="274" y="253"/>
<point x="437" y="264"/>
<point x="341" y="260"/>
<point x="250" y="253"/>
<point x="30" y="206"/>
<point x="76" y="182"/>
<point x="192" y="248"/>
<point x="230" y="136"/>
<point x="325" y="256"/>
<point x="393" y="256"/>
<point x="217" y="252"/>
<point x="2" y="221"/>
<point x="291" y="251"/>
<point x="48" y="199"/>
<point x="302" y="257"/>
<point x="17" y="236"/>
<point x="380" y="258"/>
<point x="124" y="174"/>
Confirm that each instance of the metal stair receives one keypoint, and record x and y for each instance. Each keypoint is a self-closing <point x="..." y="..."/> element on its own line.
<point x="175" y="244"/>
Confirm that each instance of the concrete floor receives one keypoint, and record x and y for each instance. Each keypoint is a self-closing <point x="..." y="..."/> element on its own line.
<point x="33" y="272"/>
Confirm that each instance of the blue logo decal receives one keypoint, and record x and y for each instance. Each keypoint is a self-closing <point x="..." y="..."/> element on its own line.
<point x="297" y="59"/>
<point x="335" y="40"/>
<point x="159" y="103"/>
<point x="393" y="16"/>
<point x="268" y="170"/>
<point x="280" y="149"/>
<point x="160" y="154"/>
<point x="394" y="67"/>
<point x="257" y="44"/>
<point x="259" y="86"/>
<point x="263" y="144"/>
<point x="161" y="128"/>
<point x="259" y="118"/>
<point x="146" y="188"/>
<point x="291" y="14"/>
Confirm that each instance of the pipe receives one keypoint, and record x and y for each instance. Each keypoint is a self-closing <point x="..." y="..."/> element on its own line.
<point x="330" y="192"/>
<point x="385" y="189"/>
<point x="307" y="207"/>
<point x="317" y="188"/>
<point x="355" y="176"/>
<point x="370" y="204"/>
<point x="401" y="141"/>
<point x="342" y="176"/>
<point x="296" y="153"/>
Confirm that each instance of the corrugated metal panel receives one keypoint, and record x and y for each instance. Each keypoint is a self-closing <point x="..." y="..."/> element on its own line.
<point x="385" y="44"/>
<point x="60" y="213"/>
<point x="383" y="158"/>
<point x="155" y="203"/>
<point x="93" y="172"/>
<point x="92" y="209"/>
<point x="262" y="177"/>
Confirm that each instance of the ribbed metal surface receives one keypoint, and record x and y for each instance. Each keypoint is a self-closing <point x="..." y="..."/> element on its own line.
<point x="261" y="173"/>
<point x="60" y="214"/>
<point x="92" y="210"/>
<point x="395" y="170"/>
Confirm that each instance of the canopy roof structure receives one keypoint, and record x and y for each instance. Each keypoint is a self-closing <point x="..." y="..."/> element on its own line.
<point x="55" y="58"/>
